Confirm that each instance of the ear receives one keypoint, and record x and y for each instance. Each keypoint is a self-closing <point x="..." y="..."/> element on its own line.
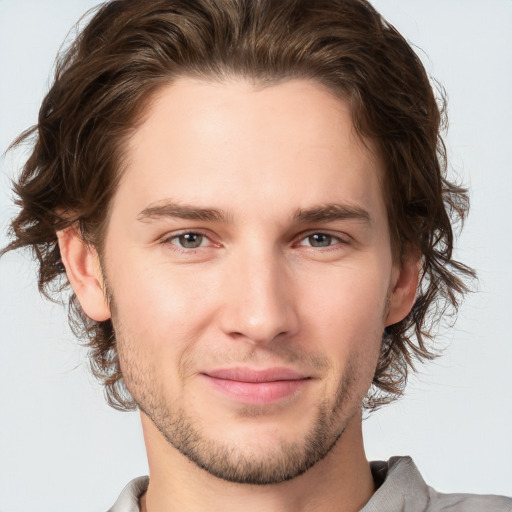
<point x="84" y="273"/>
<point x="404" y="287"/>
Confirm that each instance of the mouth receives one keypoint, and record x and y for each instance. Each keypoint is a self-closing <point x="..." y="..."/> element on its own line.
<point x="257" y="387"/>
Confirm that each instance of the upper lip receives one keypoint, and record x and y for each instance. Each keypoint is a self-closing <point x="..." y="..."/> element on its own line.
<point x="241" y="374"/>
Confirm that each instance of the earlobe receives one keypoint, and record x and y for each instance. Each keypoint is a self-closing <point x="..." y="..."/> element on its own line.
<point x="84" y="273"/>
<point x="403" y="293"/>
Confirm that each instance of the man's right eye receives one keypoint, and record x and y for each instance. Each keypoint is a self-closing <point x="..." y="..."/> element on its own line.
<point x="188" y="240"/>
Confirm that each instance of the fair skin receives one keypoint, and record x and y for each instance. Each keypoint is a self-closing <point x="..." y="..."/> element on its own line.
<point x="249" y="263"/>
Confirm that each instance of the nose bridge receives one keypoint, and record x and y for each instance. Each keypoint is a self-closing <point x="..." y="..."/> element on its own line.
<point x="260" y="303"/>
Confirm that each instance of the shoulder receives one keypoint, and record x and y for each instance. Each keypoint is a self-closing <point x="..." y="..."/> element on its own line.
<point x="401" y="488"/>
<point x="128" y="500"/>
<point x="468" y="502"/>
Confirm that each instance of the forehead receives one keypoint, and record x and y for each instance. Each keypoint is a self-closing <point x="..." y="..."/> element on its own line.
<point x="286" y="146"/>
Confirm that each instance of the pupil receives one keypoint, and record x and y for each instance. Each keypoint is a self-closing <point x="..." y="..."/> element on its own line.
<point x="320" y="240"/>
<point x="191" y="240"/>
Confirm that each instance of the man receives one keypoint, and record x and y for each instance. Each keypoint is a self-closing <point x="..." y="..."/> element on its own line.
<point x="243" y="203"/>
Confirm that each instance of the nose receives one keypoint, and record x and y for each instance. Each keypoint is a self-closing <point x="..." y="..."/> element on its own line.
<point x="259" y="301"/>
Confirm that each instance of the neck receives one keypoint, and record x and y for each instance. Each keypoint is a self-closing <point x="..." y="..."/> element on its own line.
<point x="340" y="481"/>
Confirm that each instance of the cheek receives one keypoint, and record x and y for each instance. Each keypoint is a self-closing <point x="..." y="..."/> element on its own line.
<point x="348" y="293"/>
<point x="158" y="327"/>
<point x="160" y="308"/>
<point x="346" y="314"/>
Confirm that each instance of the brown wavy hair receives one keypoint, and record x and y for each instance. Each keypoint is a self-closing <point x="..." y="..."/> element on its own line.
<point x="130" y="49"/>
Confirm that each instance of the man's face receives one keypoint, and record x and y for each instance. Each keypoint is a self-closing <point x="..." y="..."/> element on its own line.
<point x="249" y="264"/>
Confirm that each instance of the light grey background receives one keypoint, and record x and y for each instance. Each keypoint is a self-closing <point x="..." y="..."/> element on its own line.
<point x="62" y="448"/>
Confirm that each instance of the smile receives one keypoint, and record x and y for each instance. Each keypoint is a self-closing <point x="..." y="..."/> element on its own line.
<point x="257" y="387"/>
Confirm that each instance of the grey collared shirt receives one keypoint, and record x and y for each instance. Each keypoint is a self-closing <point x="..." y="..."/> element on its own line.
<point x="404" y="490"/>
<point x="401" y="489"/>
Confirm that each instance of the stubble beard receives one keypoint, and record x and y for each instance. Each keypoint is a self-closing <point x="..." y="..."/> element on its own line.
<point x="284" y="461"/>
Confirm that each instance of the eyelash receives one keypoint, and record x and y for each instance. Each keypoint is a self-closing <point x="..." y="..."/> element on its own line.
<point x="175" y="247"/>
<point x="338" y="239"/>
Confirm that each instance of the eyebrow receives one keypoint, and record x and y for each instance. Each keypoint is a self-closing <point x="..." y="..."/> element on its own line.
<point x="181" y="211"/>
<point x="323" y="213"/>
<point x="333" y="212"/>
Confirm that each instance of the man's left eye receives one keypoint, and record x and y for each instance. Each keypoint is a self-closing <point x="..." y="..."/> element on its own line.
<point x="320" y="240"/>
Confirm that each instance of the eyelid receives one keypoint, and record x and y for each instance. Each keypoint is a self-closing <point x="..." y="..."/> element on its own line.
<point x="168" y="237"/>
<point x="342" y="237"/>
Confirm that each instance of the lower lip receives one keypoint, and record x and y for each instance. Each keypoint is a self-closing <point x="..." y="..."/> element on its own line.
<point x="257" y="393"/>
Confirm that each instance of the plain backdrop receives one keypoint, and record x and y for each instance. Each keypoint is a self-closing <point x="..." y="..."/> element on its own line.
<point x="62" y="448"/>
